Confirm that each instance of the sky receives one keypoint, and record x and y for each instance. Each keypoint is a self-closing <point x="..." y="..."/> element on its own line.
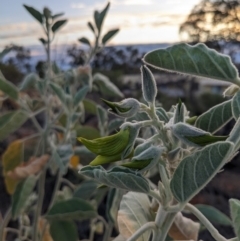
<point x="140" y="21"/>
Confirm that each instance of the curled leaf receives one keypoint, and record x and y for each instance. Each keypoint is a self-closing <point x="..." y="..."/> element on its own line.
<point x="33" y="166"/>
<point x="109" y="145"/>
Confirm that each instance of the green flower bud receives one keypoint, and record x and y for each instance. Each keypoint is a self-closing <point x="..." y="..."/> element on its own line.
<point x="126" y="108"/>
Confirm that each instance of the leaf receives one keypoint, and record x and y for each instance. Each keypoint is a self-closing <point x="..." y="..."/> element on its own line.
<point x="196" y="170"/>
<point x="99" y="17"/>
<point x="91" y="27"/>
<point x="105" y="86"/>
<point x="87" y="132"/>
<point x="109" y="145"/>
<point x="57" y="25"/>
<point x="114" y="124"/>
<point x="43" y="41"/>
<point x="236" y="105"/>
<point x="29" y="81"/>
<point x="8" y="88"/>
<point x="62" y="230"/>
<point x="57" y="15"/>
<point x="118" y="177"/>
<point x="84" y="41"/>
<point x="197" y="60"/>
<point x="162" y="114"/>
<point x="179" y="114"/>
<point x="80" y="95"/>
<point x="21" y="194"/>
<point x="35" y="13"/>
<point x="184" y="228"/>
<point x="149" y="87"/>
<point x="100" y="160"/>
<point x="113" y="201"/>
<point x="235" y="214"/>
<point x="10" y="122"/>
<point x="231" y="90"/>
<point x="109" y="35"/>
<point x="102" y="117"/>
<point x="57" y="89"/>
<point x="214" y="215"/>
<point x="71" y="209"/>
<point x="90" y="106"/>
<point x="234" y="136"/>
<point x="86" y="189"/>
<point x="215" y="118"/>
<point x="134" y="212"/>
<point x="33" y="166"/>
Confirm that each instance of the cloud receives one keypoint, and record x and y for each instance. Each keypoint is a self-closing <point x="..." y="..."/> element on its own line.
<point x="78" y="5"/>
<point x="138" y="2"/>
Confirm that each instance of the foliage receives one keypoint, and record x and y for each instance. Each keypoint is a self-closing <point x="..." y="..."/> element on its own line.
<point x="184" y="151"/>
<point x="61" y="98"/>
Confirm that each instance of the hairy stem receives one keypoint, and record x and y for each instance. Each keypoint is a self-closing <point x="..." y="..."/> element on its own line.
<point x="143" y="229"/>
<point x="212" y="230"/>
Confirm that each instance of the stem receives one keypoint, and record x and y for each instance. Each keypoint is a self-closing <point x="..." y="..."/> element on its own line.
<point x="41" y="191"/>
<point x="5" y="222"/>
<point x="65" y="181"/>
<point x="212" y="230"/>
<point x="155" y="196"/>
<point x="140" y="231"/>
<point x="108" y="232"/>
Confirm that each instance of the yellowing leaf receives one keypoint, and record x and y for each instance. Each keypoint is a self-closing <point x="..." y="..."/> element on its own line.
<point x="33" y="166"/>
<point x="184" y="228"/>
<point x="41" y="227"/>
<point x="12" y="158"/>
<point x="74" y="161"/>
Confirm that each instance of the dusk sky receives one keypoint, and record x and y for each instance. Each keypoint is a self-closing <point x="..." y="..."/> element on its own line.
<point x="140" y="21"/>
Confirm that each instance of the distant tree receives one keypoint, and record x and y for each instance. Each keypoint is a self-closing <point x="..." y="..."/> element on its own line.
<point x="213" y="20"/>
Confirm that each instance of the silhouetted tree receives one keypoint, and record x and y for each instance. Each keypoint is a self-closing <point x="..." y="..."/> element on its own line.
<point x="213" y="20"/>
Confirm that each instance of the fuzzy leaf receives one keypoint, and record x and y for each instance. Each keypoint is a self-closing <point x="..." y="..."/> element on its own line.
<point x="10" y="122"/>
<point x="71" y="209"/>
<point x="57" y="89"/>
<point x="236" y="105"/>
<point x="196" y="170"/>
<point x="35" y="13"/>
<point x="214" y="215"/>
<point x="179" y="114"/>
<point x="99" y="17"/>
<point x="57" y="25"/>
<point x="114" y="124"/>
<point x="118" y="177"/>
<point x="234" y="136"/>
<point x="86" y="189"/>
<point x="105" y="86"/>
<point x="162" y="114"/>
<point x="8" y="88"/>
<point x="84" y="41"/>
<point x="102" y="117"/>
<point x="90" y="106"/>
<point x="197" y="60"/>
<point x="109" y="35"/>
<point x="57" y="15"/>
<point x="21" y="194"/>
<point x="149" y="87"/>
<point x="29" y="81"/>
<point x="133" y="213"/>
<point x="215" y="118"/>
<point x="80" y="95"/>
<point x="62" y="230"/>
<point x="109" y="145"/>
<point x="235" y="214"/>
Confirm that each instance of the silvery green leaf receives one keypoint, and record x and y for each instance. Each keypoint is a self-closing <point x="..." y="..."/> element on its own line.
<point x="197" y="60"/>
<point x="174" y="155"/>
<point x="86" y="189"/>
<point x="196" y="170"/>
<point x="109" y="35"/>
<point x="231" y="90"/>
<point x="146" y="159"/>
<point x="235" y="214"/>
<point x="133" y="213"/>
<point x="216" y="117"/>
<point x="191" y="120"/>
<point x="8" y="88"/>
<point x="114" y="124"/>
<point x="149" y="87"/>
<point x="234" y="136"/>
<point x="214" y="215"/>
<point x="35" y="13"/>
<point x="133" y="134"/>
<point x="105" y="86"/>
<point x="162" y="114"/>
<point x="236" y="105"/>
<point x="80" y="95"/>
<point x="21" y="194"/>
<point x="140" y="116"/>
<point x="99" y="17"/>
<point x="113" y="201"/>
<point x="193" y="136"/>
<point x="102" y="116"/>
<point x="179" y="114"/>
<point x="29" y="81"/>
<point x="118" y="177"/>
<point x="142" y="147"/>
<point x="126" y="108"/>
<point x="58" y="90"/>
